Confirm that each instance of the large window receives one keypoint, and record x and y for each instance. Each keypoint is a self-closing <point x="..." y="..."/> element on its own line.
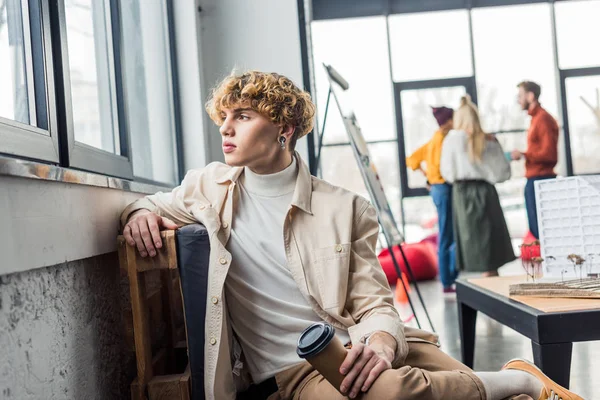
<point x="97" y="142"/>
<point x="430" y="46"/>
<point x="113" y="103"/>
<point x="512" y="44"/>
<point x="493" y="45"/>
<point x="27" y="119"/>
<point x="93" y="89"/>
<point x="579" y="60"/>
<point x="583" y="111"/>
<point x="577" y="31"/>
<point x="363" y="60"/>
<point x="149" y="90"/>
<point x="418" y="122"/>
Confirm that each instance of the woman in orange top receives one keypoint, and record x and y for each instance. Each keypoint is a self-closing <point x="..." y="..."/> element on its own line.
<point x="441" y="192"/>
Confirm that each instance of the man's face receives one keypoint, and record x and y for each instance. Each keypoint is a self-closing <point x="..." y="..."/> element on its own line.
<point x="249" y="138"/>
<point x="524" y="98"/>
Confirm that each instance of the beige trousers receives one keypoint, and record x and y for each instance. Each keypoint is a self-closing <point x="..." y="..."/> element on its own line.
<point x="428" y="374"/>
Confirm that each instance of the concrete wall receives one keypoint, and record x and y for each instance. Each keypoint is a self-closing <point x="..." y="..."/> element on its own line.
<point x="45" y="223"/>
<point x="61" y="334"/>
<point x="61" y="328"/>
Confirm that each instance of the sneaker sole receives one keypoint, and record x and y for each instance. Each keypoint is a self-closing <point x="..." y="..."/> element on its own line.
<point x="546" y="379"/>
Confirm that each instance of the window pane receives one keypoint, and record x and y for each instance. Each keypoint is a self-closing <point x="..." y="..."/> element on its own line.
<point x="357" y="48"/>
<point x="430" y="45"/>
<point x="505" y="56"/>
<point x="577" y="32"/>
<point x="14" y="102"/>
<point x="339" y="167"/>
<point x="92" y="89"/>
<point x="583" y="109"/>
<point x="419" y="123"/>
<point x="147" y="79"/>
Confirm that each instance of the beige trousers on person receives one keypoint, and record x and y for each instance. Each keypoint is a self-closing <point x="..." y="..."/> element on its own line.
<point x="428" y="374"/>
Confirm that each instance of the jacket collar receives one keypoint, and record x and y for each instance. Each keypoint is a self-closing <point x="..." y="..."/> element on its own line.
<point x="232" y="175"/>
<point x="302" y="192"/>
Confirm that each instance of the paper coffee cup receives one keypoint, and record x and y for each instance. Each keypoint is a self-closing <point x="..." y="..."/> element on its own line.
<point x="323" y="350"/>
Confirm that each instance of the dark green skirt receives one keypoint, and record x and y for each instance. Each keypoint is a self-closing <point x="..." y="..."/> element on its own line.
<point x="482" y="239"/>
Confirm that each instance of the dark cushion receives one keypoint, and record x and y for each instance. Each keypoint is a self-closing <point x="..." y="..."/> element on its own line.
<point x="193" y="253"/>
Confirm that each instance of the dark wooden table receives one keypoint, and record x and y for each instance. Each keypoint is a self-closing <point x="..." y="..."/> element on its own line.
<point x="552" y="333"/>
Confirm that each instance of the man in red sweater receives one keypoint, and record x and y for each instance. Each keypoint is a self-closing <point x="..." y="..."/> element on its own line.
<point x="542" y="147"/>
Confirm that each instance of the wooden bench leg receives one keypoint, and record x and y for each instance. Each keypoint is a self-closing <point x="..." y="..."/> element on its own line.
<point x="141" y="326"/>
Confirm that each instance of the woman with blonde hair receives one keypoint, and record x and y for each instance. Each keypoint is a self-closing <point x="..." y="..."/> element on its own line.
<point x="473" y="162"/>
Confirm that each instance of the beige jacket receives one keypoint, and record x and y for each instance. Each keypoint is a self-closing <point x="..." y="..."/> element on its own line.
<point x="329" y="236"/>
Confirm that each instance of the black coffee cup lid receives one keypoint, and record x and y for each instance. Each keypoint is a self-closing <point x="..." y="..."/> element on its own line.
<point x="314" y="339"/>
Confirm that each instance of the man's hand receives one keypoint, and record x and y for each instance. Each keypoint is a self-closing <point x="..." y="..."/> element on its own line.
<point x="516" y="155"/>
<point x="364" y="364"/>
<point x="143" y="230"/>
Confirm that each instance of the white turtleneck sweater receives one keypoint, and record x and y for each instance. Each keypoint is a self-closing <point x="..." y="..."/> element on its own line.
<point x="267" y="310"/>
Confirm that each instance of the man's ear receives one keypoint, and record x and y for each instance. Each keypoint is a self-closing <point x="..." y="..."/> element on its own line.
<point x="288" y="131"/>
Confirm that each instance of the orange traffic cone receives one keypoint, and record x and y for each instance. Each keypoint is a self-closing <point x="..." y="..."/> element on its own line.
<point x="401" y="294"/>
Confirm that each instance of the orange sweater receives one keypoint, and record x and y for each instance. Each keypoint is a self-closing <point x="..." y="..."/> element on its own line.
<point x="430" y="152"/>
<point x="542" y="144"/>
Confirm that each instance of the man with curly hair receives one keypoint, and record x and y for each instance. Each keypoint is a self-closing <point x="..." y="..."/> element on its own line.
<point x="288" y="250"/>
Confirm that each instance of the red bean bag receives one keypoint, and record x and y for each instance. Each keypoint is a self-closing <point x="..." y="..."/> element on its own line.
<point x="432" y="240"/>
<point x="421" y="258"/>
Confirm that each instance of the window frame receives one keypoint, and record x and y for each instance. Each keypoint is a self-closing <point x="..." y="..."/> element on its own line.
<point x="340" y="9"/>
<point x="564" y="74"/>
<point x="173" y="91"/>
<point x="49" y="138"/>
<point x="75" y="154"/>
<point x="471" y="88"/>
<point x="334" y="9"/>
<point x="40" y="141"/>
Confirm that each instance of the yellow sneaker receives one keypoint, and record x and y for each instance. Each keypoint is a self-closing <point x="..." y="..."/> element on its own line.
<point x="552" y="390"/>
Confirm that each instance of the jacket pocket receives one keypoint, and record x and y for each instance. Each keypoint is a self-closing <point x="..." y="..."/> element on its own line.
<point x="331" y="266"/>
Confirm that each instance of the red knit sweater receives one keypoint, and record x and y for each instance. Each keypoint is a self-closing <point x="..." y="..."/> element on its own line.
<point x="542" y="144"/>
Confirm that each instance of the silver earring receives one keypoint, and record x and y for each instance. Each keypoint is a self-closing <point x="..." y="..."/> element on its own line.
<point x="282" y="142"/>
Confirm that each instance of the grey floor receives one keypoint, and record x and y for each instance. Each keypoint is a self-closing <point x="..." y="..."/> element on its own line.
<point x="495" y="343"/>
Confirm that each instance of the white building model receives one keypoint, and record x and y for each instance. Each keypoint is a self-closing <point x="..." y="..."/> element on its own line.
<point x="569" y="223"/>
